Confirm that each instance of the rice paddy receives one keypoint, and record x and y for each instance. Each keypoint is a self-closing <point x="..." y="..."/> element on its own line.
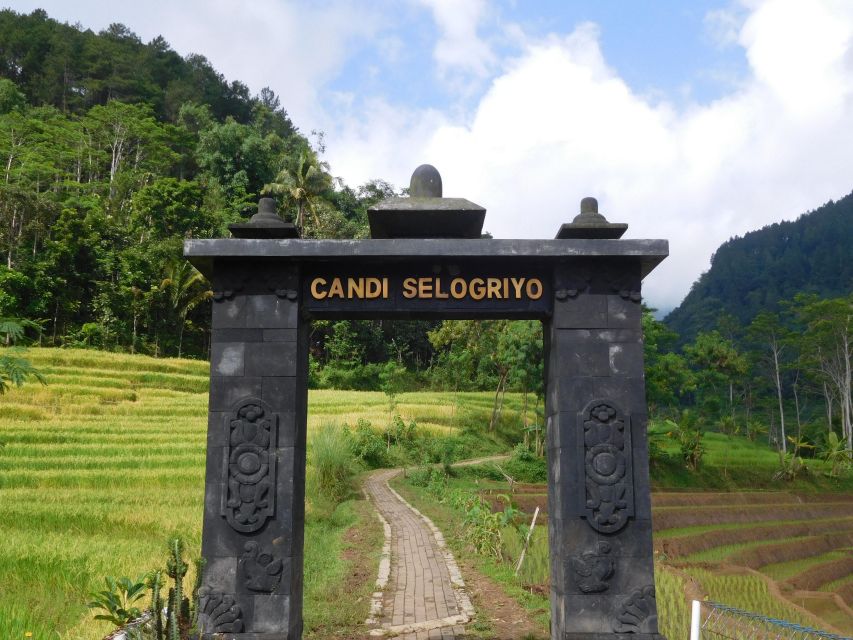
<point x="789" y="569"/>
<point x="779" y="553"/>
<point x="101" y="466"/>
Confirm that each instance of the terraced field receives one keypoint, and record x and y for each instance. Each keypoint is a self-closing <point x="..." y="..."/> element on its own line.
<point x="101" y="466"/>
<point x="783" y="554"/>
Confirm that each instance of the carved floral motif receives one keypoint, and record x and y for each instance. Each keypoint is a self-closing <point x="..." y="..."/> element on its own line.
<point x="592" y="569"/>
<point x="220" y="612"/>
<point x="261" y="570"/>
<point x="638" y="613"/>
<point x="575" y="284"/>
<point x="607" y="465"/>
<point x="227" y="285"/>
<point x="627" y="287"/>
<point x="249" y="498"/>
<point x="275" y="284"/>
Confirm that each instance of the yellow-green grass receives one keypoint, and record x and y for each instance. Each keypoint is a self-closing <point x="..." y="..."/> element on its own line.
<point x="685" y="532"/>
<point x="780" y="571"/>
<point x="736" y="463"/>
<point x="835" y="585"/>
<point x="673" y="610"/>
<point x="101" y="466"/>
<point x="721" y="553"/>
<point x="748" y="592"/>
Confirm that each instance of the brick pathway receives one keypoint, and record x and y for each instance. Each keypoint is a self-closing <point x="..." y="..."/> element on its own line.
<point x="422" y="593"/>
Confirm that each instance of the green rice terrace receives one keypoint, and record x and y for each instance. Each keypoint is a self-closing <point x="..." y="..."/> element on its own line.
<point x="103" y="464"/>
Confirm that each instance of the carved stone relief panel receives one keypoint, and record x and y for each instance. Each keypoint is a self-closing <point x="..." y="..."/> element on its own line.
<point x="219" y="612"/>
<point x="249" y="467"/>
<point x="606" y="462"/>
<point x="261" y="570"/>
<point x="593" y="569"/>
<point x="638" y="613"/>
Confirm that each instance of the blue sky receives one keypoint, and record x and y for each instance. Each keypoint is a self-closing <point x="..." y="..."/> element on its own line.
<point x="665" y="49"/>
<point x="690" y="120"/>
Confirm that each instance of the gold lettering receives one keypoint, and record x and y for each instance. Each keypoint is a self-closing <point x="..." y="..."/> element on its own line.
<point x="493" y="288"/>
<point x="372" y="288"/>
<point x="477" y="288"/>
<point x="534" y="288"/>
<point x="385" y="288"/>
<point x="439" y="294"/>
<point x="458" y="288"/>
<point x="315" y="292"/>
<point x="337" y="289"/>
<point x="424" y="288"/>
<point x="355" y="287"/>
<point x="410" y="289"/>
<point x="516" y="284"/>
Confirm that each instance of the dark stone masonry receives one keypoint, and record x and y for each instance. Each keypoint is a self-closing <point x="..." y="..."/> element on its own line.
<point x="585" y="287"/>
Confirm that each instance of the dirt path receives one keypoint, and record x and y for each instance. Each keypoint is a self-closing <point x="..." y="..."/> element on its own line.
<point x="421" y="594"/>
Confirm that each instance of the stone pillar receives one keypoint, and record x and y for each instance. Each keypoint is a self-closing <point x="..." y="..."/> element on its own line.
<point x="255" y="483"/>
<point x="600" y="534"/>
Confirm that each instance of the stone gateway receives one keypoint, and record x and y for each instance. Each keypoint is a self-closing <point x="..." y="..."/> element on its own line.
<point x="426" y="260"/>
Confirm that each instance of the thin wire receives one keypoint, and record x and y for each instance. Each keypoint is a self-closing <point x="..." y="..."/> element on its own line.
<point x="723" y="620"/>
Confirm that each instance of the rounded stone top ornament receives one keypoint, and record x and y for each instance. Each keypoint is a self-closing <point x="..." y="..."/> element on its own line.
<point x="425" y="182"/>
<point x="589" y="224"/>
<point x="589" y="212"/>
<point x="267" y="211"/>
<point x="425" y="212"/>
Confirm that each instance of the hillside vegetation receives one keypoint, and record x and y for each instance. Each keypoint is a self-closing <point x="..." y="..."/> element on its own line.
<point x="758" y="271"/>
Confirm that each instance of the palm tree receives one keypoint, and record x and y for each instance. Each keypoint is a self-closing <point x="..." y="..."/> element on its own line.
<point x="302" y="184"/>
<point x="14" y="370"/>
<point x="185" y="288"/>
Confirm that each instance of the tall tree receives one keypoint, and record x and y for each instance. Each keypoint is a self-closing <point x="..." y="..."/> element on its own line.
<point x="828" y="339"/>
<point x="767" y="331"/>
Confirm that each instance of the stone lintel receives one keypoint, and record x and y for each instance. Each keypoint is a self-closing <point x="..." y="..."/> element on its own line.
<point x="202" y="253"/>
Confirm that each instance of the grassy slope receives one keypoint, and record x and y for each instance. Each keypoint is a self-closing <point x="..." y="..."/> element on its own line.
<point x="106" y="462"/>
<point x="103" y="464"/>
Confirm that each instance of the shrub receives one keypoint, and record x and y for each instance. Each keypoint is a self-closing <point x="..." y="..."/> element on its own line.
<point x="358" y="377"/>
<point x="117" y="600"/>
<point x="689" y="439"/>
<point x="526" y="466"/>
<point x="331" y="457"/>
<point x="368" y="445"/>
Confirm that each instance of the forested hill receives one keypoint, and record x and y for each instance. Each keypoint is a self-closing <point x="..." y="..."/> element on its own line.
<point x="755" y="272"/>
<point x="113" y="152"/>
<point x="74" y="69"/>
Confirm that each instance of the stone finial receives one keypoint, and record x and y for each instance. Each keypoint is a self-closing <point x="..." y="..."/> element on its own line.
<point x="590" y="224"/>
<point x="266" y="223"/>
<point x="425" y="182"/>
<point x="425" y="213"/>
<point x="267" y="212"/>
<point x="589" y="213"/>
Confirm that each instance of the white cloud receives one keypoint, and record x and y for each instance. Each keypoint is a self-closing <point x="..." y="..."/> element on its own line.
<point x="723" y="26"/>
<point x="559" y="124"/>
<point x="459" y="48"/>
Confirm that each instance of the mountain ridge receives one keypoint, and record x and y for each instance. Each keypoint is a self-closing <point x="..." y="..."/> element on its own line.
<point x="758" y="270"/>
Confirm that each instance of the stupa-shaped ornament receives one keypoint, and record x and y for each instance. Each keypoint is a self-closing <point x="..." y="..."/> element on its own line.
<point x="266" y="223"/>
<point x="589" y="224"/>
<point x="425" y="213"/>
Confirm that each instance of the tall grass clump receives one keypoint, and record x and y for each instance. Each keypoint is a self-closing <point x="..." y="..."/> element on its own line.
<point x="332" y="467"/>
